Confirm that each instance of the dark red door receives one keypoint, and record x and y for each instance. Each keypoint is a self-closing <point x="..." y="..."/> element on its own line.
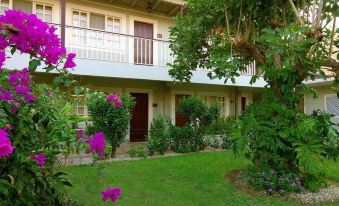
<point x="139" y="121"/>
<point x="180" y="120"/>
<point x="243" y="103"/>
<point x="143" y="43"/>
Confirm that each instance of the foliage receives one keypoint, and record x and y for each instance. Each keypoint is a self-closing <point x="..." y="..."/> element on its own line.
<point x="137" y="151"/>
<point x="222" y="127"/>
<point x="111" y="120"/>
<point x="39" y="128"/>
<point x="186" y="139"/>
<point x="193" y="108"/>
<point x="159" y="137"/>
<point x="273" y="181"/>
<point x="213" y="113"/>
<point x="274" y="136"/>
<point x="290" y="44"/>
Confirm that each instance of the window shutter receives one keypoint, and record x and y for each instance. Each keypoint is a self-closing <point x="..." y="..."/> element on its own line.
<point x="22" y="5"/>
<point x="332" y="105"/>
<point x="97" y="21"/>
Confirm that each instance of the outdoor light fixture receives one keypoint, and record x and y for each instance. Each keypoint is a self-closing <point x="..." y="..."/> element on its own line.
<point x="149" y="8"/>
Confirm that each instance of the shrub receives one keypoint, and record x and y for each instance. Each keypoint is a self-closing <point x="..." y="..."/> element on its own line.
<point x="111" y="117"/>
<point x="213" y="114"/>
<point x="274" y="136"/>
<point x="159" y="137"/>
<point x="193" y="108"/>
<point x="137" y="151"/>
<point x="222" y="127"/>
<point x="186" y="139"/>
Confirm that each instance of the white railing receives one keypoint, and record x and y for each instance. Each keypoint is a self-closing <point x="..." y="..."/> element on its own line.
<point x="109" y="46"/>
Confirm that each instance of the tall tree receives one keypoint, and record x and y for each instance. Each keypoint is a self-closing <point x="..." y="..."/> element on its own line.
<point x="289" y="39"/>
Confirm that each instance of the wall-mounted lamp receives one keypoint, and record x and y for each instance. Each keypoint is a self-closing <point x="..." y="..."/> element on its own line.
<point x="149" y="8"/>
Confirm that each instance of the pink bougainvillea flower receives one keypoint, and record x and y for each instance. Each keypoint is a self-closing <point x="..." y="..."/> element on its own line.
<point x="70" y="61"/>
<point x="39" y="158"/>
<point x="29" y="97"/>
<point x="97" y="144"/>
<point x="6" y="147"/>
<point x="112" y="194"/>
<point x="115" y="99"/>
<point x="2" y="58"/>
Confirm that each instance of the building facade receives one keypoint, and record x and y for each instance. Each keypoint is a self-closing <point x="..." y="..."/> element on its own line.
<point x="122" y="46"/>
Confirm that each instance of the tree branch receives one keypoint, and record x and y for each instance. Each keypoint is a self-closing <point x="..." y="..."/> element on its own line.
<point x="248" y="49"/>
<point x="332" y="37"/>
<point x="301" y="22"/>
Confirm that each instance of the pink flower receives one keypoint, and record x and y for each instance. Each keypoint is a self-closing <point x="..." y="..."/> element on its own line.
<point x="29" y="97"/>
<point x="97" y="144"/>
<point x="2" y="58"/>
<point x="39" y="158"/>
<point x="115" y="98"/>
<point x="6" y="147"/>
<point x="70" y="61"/>
<point x="112" y="194"/>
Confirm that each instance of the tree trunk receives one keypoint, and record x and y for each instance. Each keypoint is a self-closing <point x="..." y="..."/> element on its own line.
<point x="113" y="153"/>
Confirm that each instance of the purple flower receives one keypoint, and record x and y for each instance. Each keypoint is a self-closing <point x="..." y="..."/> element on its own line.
<point x="294" y="184"/>
<point x="39" y="158"/>
<point x="6" y="147"/>
<point x="97" y="143"/>
<point x="2" y="58"/>
<point x="80" y="134"/>
<point x="116" y="99"/>
<point x="270" y="190"/>
<point x="112" y="194"/>
<point x="70" y="61"/>
<point x="29" y="97"/>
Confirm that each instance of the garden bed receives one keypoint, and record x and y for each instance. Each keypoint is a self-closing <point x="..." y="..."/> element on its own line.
<point x="324" y="195"/>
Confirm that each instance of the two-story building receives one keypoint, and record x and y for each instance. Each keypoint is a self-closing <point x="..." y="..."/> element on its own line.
<point x="122" y="46"/>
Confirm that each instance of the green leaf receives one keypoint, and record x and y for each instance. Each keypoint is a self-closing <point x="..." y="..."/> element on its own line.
<point x="33" y="65"/>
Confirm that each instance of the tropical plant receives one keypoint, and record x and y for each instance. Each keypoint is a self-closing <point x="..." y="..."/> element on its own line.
<point x="193" y="108"/>
<point x="111" y="115"/>
<point x="159" y="136"/>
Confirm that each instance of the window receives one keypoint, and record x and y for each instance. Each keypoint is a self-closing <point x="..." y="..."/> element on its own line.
<point x="332" y="104"/>
<point x="4" y="5"/>
<point x="80" y="20"/>
<point x="22" y="5"/>
<point x="44" y="12"/>
<point x="79" y="105"/>
<point x="113" y="40"/>
<point x="209" y="100"/>
<point x="97" y="21"/>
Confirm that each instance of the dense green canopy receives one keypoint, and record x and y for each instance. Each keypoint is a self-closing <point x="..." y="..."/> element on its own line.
<point x="289" y="39"/>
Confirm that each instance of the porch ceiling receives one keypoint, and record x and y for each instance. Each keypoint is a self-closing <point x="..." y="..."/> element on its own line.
<point x="167" y="8"/>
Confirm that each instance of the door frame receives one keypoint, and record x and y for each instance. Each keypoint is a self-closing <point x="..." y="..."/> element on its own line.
<point x="150" y="108"/>
<point x="132" y="19"/>
<point x="173" y="93"/>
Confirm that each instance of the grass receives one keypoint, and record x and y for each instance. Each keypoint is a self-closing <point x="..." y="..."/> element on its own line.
<point x="193" y="179"/>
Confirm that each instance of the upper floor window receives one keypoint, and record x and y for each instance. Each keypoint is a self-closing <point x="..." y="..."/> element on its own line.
<point x="44" y="12"/>
<point x="80" y="19"/>
<point x="113" y="25"/>
<point x="332" y="104"/>
<point x="4" y="5"/>
<point x="23" y="5"/>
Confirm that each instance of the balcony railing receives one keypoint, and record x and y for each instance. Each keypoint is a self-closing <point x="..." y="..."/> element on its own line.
<point x="109" y="46"/>
<point x="123" y="48"/>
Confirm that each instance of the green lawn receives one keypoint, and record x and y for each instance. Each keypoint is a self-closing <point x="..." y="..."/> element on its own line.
<point x="193" y="179"/>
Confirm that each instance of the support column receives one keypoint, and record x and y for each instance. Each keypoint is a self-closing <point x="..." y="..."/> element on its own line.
<point x="63" y="21"/>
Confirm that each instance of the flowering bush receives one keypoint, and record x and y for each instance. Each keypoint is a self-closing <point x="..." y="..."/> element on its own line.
<point x="35" y="121"/>
<point x="273" y="181"/>
<point x="111" y="114"/>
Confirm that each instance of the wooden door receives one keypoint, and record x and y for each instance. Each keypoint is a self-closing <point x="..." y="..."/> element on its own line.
<point x="180" y="120"/>
<point x="139" y="121"/>
<point x="143" y="43"/>
<point x="243" y="104"/>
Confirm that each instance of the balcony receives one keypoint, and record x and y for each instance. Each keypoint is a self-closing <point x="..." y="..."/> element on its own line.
<point x="115" y="47"/>
<point x="101" y="45"/>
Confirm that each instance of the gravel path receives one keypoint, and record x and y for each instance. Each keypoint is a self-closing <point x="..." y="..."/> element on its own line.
<point x="330" y="194"/>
